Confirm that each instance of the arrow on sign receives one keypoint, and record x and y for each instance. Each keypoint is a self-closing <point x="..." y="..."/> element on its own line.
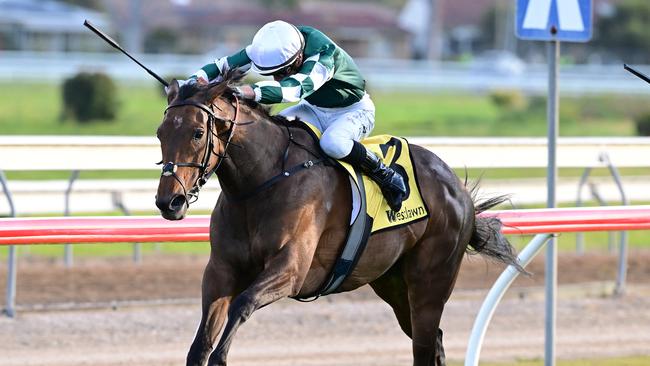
<point x="537" y="15"/>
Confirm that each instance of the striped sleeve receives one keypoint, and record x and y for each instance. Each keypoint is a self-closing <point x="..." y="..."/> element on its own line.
<point x="220" y="66"/>
<point x="315" y="71"/>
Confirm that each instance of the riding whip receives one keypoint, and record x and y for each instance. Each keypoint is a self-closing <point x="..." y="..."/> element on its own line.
<point x="114" y="44"/>
<point x="637" y="73"/>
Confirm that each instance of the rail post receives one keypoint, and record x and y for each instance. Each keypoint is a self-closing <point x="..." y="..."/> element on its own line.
<point x="621" y="278"/>
<point x="10" y="307"/>
<point x="495" y="295"/>
<point x="67" y="248"/>
<point x="118" y="202"/>
<point x="580" y="238"/>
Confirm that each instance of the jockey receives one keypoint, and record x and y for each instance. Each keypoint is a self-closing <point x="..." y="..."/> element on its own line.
<point x="308" y="67"/>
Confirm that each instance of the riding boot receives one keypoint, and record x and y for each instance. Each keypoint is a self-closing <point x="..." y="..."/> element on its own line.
<point x="391" y="182"/>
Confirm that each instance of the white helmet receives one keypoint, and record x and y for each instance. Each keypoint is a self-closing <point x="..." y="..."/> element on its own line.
<point x="275" y="46"/>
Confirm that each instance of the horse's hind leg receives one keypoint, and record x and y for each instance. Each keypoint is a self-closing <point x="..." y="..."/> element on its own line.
<point x="425" y="317"/>
<point x="430" y="275"/>
<point x="216" y="293"/>
<point x="391" y="288"/>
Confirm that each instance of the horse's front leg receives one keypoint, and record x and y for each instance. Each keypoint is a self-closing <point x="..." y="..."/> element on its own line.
<point x="283" y="276"/>
<point x="218" y="289"/>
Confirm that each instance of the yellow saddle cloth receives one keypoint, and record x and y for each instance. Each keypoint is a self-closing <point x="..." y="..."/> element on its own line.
<point x="394" y="152"/>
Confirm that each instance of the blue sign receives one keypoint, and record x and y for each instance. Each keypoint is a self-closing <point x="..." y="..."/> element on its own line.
<point x="562" y="20"/>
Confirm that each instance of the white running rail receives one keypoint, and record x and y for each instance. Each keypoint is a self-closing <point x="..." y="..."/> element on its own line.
<point x="494" y="297"/>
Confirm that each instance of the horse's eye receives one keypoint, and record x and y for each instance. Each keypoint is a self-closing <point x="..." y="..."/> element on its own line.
<point x="198" y="133"/>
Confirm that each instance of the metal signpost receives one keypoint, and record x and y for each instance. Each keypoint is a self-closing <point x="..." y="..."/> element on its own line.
<point x="553" y="21"/>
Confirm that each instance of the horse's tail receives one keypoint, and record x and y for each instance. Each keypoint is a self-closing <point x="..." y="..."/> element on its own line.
<point x="487" y="238"/>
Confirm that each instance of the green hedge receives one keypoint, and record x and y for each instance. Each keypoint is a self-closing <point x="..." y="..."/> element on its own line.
<point x="89" y="97"/>
<point x="643" y="124"/>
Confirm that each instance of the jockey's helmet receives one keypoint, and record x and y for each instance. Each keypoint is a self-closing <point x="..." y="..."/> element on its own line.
<point x="275" y="46"/>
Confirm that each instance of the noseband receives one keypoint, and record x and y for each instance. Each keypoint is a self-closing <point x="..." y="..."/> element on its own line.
<point x="169" y="169"/>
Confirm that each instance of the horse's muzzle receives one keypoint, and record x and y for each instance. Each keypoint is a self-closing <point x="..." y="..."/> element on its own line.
<point x="172" y="207"/>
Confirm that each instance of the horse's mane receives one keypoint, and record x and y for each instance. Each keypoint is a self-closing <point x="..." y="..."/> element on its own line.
<point x="225" y="88"/>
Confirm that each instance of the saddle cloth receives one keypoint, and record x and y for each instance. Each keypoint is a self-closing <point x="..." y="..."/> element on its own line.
<point x="394" y="152"/>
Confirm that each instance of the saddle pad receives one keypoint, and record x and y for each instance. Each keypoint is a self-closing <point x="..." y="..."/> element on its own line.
<point x="394" y="152"/>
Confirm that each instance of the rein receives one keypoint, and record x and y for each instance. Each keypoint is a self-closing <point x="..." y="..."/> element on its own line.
<point x="285" y="173"/>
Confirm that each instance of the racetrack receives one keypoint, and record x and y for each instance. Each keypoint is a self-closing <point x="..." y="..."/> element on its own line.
<point x="345" y="329"/>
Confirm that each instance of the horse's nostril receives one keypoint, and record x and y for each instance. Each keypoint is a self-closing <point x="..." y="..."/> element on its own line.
<point x="177" y="203"/>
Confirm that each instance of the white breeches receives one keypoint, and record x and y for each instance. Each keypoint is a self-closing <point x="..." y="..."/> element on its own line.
<point x="340" y="126"/>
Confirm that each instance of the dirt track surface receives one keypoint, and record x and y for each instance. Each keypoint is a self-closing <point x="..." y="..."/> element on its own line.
<point x="94" y="314"/>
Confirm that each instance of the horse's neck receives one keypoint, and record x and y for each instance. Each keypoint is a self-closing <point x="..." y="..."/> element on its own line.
<point x="254" y="157"/>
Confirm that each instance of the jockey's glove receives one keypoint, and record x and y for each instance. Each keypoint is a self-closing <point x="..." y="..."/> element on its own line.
<point x="245" y="92"/>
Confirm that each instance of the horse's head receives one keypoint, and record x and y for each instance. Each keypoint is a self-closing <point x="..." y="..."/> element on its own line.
<point x="194" y="137"/>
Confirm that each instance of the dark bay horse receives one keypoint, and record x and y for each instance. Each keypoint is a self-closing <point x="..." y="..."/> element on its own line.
<point x="271" y="241"/>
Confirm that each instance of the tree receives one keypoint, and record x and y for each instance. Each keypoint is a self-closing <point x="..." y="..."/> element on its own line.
<point x="488" y="25"/>
<point x="88" y="97"/>
<point x="161" y="40"/>
<point x="90" y="4"/>
<point x="7" y="41"/>
<point x="497" y="26"/>
<point x="280" y="4"/>
<point x="624" y="31"/>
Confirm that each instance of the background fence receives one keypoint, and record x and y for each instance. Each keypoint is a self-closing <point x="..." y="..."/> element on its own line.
<point x="80" y="153"/>
<point x="384" y="74"/>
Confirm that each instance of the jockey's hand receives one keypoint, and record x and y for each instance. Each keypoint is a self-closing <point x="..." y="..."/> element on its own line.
<point x="245" y="91"/>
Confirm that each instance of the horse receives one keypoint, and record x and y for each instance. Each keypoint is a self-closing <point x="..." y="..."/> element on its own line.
<point x="275" y="235"/>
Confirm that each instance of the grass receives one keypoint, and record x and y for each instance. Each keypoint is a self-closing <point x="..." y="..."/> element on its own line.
<point x="433" y="115"/>
<point x="471" y="173"/>
<point x="110" y="250"/>
<point x="30" y="108"/>
<point x="594" y="241"/>
<point x="85" y="174"/>
<point x="35" y="109"/>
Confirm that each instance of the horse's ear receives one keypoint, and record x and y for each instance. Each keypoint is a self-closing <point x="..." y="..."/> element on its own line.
<point x="214" y="90"/>
<point x="172" y="91"/>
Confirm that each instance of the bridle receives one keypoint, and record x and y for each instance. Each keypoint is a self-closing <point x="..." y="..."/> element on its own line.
<point x="169" y="168"/>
